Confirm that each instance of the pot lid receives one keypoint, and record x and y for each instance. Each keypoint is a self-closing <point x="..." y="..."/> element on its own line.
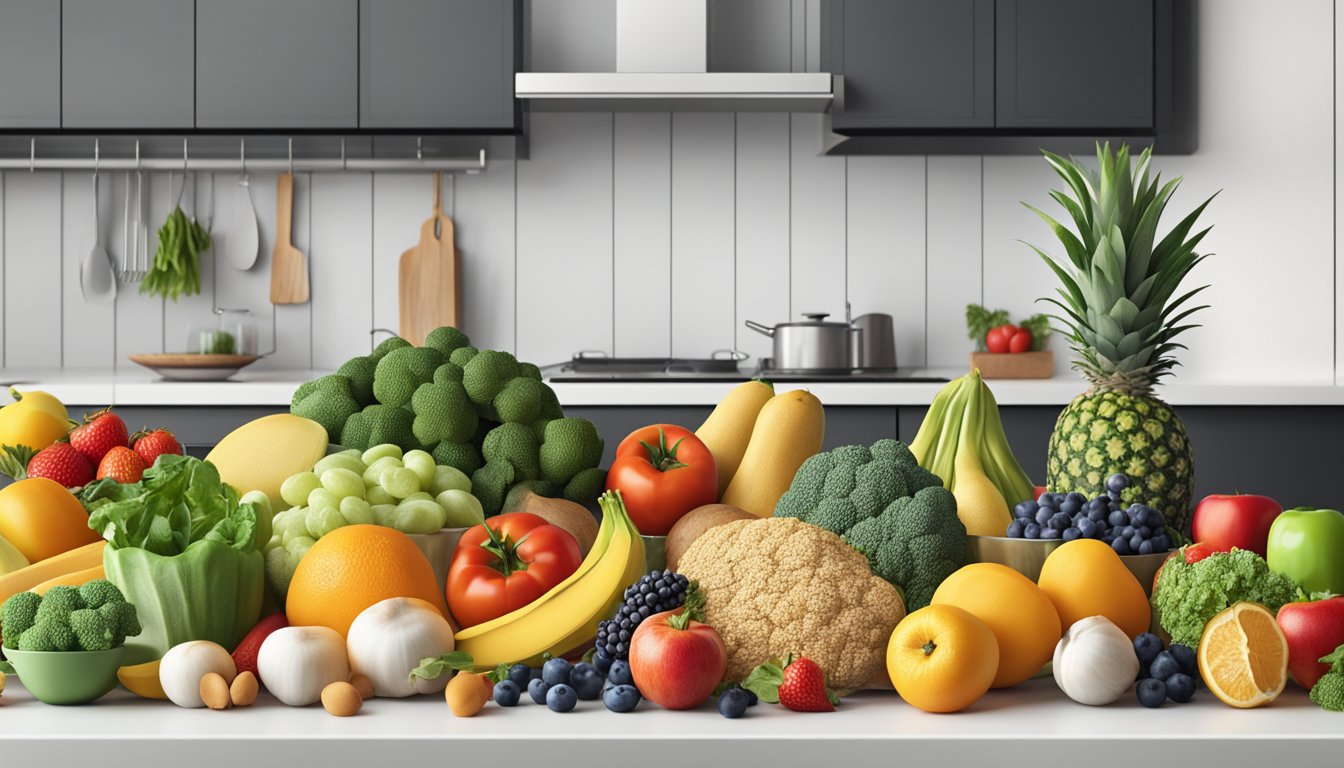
<point x="815" y="320"/>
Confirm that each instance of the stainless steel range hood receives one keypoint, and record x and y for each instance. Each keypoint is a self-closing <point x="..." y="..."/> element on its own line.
<point x="661" y="55"/>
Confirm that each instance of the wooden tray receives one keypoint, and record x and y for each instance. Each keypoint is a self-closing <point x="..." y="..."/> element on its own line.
<point x="187" y="367"/>
<point x="1023" y="365"/>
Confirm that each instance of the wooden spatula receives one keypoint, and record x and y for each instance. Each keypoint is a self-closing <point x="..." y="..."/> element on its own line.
<point x="289" y="270"/>
<point x="428" y="276"/>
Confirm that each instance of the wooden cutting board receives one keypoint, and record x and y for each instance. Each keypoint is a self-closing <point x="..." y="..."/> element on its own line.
<point x="289" y="269"/>
<point x="429" y="284"/>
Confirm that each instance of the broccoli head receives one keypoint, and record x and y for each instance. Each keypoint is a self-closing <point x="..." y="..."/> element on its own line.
<point x="520" y="401"/>
<point x="515" y="444"/>
<point x="402" y="371"/>
<point x="883" y="503"/>
<point x="586" y="486"/>
<point x="446" y="339"/>
<point x="568" y="447"/>
<point x="463" y="457"/>
<point x="51" y="635"/>
<point x="100" y="592"/>
<point x="447" y="372"/>
<point x="487" y="373"/>
<point x="18" y="614"/>
<point x="462" y="355"/>
<point x="360" y="371"/>
<point x="122" y="620"/>
<point x="388" y="424"/>
<point x="59" y="603"/>
<point x="92" y="630"/>
<point x="490" y="484"/>
<point x="329" y="401"/>
<point x="550" y="404"/>
<point x="529" y="371"/>
<point x="442" y="412"/>
<point x="389" y="344"/>
<point x="355" y="433"/>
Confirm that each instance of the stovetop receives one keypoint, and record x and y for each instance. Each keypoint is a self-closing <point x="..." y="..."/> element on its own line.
<point x="657" y="369"/>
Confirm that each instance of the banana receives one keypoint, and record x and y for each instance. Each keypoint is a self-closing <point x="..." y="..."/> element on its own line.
<point x="568" y="615"/>
<point x="143" y="680"/>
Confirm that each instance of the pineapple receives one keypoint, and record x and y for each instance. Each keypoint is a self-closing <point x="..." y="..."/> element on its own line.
<point x="1121" y="313"/>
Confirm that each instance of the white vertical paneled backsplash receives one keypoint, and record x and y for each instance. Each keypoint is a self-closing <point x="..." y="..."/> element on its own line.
<point x="656" y="234"/>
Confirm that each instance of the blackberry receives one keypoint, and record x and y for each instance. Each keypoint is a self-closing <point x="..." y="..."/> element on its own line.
<point x="655" y="592"/>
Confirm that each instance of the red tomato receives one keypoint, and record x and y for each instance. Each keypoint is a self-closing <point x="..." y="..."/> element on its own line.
<point x="1191" y="553"/>
<point x="505" y="563"/>
<point x="997" y="339"/>
<point x="1020" y="342"/>
<point x="1241" y="521"/>
<point x="663" y="471"/>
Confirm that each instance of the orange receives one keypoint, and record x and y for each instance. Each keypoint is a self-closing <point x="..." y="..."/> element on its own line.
<point x="354" y="567"/>
<point x="1018" y="612"/>
<point x="941" y="658"/>
<point x="1085" y="578"/>
<point x="1243" y="656"/>
<point x="42" y="519"/>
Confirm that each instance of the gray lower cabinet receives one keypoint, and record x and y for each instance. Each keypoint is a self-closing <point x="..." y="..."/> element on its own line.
<point x="1084" y="64"/>
<point x="277" y="63"/>
<point x="439" y="64"/>
<point x="912" y="63"/>
<point x="128" y="63"/>
<point x="30" y="64"/>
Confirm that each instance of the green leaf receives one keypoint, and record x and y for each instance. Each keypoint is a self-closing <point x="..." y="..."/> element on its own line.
<point x="1335" y="660"/>
<point x="434" y="667"/>
<point x="764" y="680"/>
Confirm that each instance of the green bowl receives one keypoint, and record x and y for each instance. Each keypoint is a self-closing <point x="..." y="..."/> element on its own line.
<point x="67" y="677"/>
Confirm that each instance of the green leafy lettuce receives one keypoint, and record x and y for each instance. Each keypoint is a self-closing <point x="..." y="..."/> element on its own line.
<point x="1187" y="595"/>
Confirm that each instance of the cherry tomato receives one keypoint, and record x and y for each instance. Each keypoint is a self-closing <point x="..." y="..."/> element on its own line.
<point x="505" y="563"/>
<point x="996" y="341"/>
<point x="663" y="471"/>
<point x="1020" y="342"/>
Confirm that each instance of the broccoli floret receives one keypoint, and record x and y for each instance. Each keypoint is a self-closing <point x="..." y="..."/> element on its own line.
<point x="883" y="503"/>
<point x="515" y="444"/>
<point x="389" y="344"/>
<point x="487" y="373"/>
<point x="18" y="615"/>
<point x="461" y="456"/>
<point x="389" y="424"/>
<point x="100" y="592"/>
<point x="569" y="446"/>
<point x="397" y="375"/>
<point x="529" y="371"/>
<point x="539" y="428"/>
<point x="520" y="401"/>
<point x="329" y="402"/>
<point x="443" y="412"/>
<point x="1187" y="595"/>
<point x="448" y="372"/>
<point x="586" y="486"/>
<point x="59" y="603"/>
<point x="52" y="635"/>
<point x="355" y="433"/>
<point x="360" y="372"/>
<point x="122" y="620"/>
<point x="550" y="404"/>
<point x="490" y="484"/>
<point x="446" y="339"/>
<point x="92" y="630"/>
<point x="1328" y="692"/>
<point x="462" y="355"/>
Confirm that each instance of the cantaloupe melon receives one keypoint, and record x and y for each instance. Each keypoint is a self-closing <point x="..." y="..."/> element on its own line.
<point x="261" y="454"/>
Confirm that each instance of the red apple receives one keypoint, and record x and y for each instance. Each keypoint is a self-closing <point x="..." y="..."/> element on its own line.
<point x="1313" y="630"/>
<point x="1240" y="521"/>
<point x="676" y="661"/>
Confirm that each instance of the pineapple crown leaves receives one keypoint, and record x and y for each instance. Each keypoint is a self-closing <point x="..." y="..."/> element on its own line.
<point x="1117" y="285"/>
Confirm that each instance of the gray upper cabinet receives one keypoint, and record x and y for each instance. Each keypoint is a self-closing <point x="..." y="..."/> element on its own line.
<point x="277" y="63"/>
<point x="1075" y="64"/>
<point x="30" y="64"/>
<point x="438" y="64"/>
<point x="912" y="63"/>
<point x="128" y="63"/>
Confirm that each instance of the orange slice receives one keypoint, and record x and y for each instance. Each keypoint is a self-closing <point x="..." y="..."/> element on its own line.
<point x="1243" y="656"/>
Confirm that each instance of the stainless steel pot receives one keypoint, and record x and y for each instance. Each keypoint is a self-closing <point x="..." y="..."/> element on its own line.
<point x="813" y="345"/>
<point x="877" y="350"/>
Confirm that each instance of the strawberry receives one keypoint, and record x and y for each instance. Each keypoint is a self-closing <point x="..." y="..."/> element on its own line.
<point x="245" y="655"/>
<point x="804" y="688"/>
<point x="153" y="444"/>
<point x="100" y="433"/>
<point x="121" y="464"/>
<point x="62" y="463"/>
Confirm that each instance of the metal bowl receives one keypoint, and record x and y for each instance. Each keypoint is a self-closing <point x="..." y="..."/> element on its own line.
<point x="1026" y="556"/>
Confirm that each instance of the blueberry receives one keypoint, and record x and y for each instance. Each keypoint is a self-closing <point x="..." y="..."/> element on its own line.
<point x="1161" y="542"/>
<point x="1046" y="499"/>
<point x="1180" y="687"/>
<point x="1152" y="692"/>
<point x="1136" y="513"/>
<point x="1113" y="495"/>
<point x="603" y="663"/>
<point x="1135" y="542"/>
<point x="1069" y="507"/>
<point x="586" y="681"/>
<point x="1146" y="647"/>
<point x="1145" y="531"/>
<point x="1050" y="533"/>
<point x="621" y="698"/>
<point x="733" y="703"/>
<point x="1087" y="528"/>
<point x="1185" y="658"/>
<point x="620" y="673"/>
<point x="1121" y="545"/>
<point x="520" y="675"/>
<point x="507" y="693"/>
<point x="1025" y="509"/>
<point x="1143" y="673"/>
<point x="1015" y="529"/>
<point x="1164" y="666"/>
<point x="556" y="671"/>
<point x="537" y="689"/>
<point x="1070" y="534"/>
<point x="1076" y="498"/>
<point x="1155" y="520"/>
<point x="1146" y="547"/>
<point x="1117" y="482"/>
<point x="1043" y="515"/>
<point x="561" y="698"/>
<point x="1061" y="521"/>
<point x="1031" y="531"/>
<point x="1128" y="531"/>
<point x="1117" y="518"/>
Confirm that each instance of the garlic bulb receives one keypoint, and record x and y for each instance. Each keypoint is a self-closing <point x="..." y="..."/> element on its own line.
<point x="183" y="666"/>
<point x="1095" y="662"/>
<point x="296" y="663"/>
<point x="390" y="638"/>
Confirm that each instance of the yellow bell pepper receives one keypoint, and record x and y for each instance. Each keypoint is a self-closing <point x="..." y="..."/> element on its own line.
<point x="34" y="420"/>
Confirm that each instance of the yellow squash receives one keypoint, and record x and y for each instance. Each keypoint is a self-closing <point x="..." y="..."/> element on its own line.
<point x="261" y="454"/>
<point x="728" y="429"/>
<point x="788" y="431"/>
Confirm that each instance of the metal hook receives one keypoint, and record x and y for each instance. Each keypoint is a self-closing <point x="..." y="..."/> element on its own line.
<point x="32" y="154"/>
<point x="291" y="155"/>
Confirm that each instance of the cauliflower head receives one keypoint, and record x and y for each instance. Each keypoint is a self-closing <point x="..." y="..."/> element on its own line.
<point x="778" y="586"/>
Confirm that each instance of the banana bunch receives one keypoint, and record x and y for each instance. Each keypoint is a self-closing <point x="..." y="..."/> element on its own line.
<point x="962" y="441"/>
<point x="566" y="617"/>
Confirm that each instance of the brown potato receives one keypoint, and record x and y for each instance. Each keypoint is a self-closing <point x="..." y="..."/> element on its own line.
<point x="694" y="524"/>
<point x="341" y="699"/>
<point x="243" y="692"/>
<point x="362" y="684"/>
<point x="215" y="691"/>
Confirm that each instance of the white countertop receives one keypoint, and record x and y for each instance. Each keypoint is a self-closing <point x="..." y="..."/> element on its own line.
<point x="274" y="388"/>
<point x="1033" y="724"/>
